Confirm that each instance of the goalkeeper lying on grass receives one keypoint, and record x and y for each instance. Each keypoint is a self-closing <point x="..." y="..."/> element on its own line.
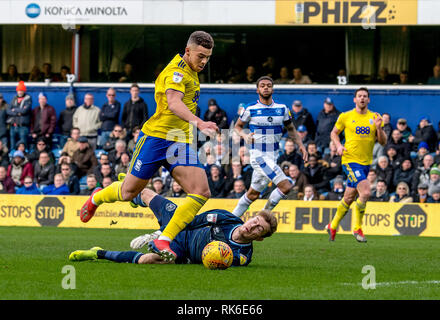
<point x="212" y="225"/>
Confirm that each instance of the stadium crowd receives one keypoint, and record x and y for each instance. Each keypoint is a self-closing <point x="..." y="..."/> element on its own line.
<point x="87" y="146"/>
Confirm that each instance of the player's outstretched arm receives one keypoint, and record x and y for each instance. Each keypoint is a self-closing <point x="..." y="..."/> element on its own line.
<point x="239" y="126"/>
<point x="176" y="105"/>
<point x="334" y="136"/>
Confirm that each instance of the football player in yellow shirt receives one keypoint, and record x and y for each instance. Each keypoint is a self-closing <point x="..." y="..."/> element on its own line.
<point x="165" y="141"/>
<point x="361" y="127"/>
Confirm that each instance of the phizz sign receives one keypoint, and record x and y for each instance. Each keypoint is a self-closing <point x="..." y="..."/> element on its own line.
<point x="81" y="12"/>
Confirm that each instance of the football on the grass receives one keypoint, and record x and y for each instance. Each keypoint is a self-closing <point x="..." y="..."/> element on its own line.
<point x="217" y="255"/>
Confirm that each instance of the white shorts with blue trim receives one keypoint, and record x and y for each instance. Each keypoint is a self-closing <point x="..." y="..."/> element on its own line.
<point x="265" y="170"/>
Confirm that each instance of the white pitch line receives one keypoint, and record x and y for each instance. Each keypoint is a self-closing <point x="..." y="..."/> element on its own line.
<point x="395" y="283"/>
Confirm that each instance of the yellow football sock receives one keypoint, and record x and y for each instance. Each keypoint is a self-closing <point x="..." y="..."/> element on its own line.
<point x="109" y="194"/>
<point x="340" y="213"/>
<point x="183" y="215"/>
<point x="359" y="211"/>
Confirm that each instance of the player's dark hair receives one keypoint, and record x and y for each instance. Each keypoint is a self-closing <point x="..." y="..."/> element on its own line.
<point x="271" y="219"/>
<point x="362" y="89"/>
<point x="264" y="78"/>
<point x="201" y="38"/>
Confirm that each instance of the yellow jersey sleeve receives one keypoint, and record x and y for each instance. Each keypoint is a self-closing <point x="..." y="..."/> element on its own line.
<point x="174" y="79"/>
<point x="340" y="123"/>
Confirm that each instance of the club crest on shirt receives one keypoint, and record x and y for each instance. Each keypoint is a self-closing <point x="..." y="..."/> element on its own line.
<point x="177" y="77"/>
<point x="371" y="121"/>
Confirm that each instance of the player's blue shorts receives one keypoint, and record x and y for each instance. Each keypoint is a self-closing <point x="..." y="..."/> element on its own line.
<point x="355" y="173"/>
<point x="164" y="209"/>
<point x="150" y="153"/>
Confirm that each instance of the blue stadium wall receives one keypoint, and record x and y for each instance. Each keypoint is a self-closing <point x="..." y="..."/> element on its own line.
<point x="410" y="102"/>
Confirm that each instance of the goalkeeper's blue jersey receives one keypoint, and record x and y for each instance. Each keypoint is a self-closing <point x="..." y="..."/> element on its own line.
<point x="208" y="226"/>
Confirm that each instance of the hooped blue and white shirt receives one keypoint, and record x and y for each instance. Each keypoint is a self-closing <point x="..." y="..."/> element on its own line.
<point x="266" y="122"/>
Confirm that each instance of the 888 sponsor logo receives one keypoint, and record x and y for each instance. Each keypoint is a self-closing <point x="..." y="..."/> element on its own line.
<point x="362" y="130"/>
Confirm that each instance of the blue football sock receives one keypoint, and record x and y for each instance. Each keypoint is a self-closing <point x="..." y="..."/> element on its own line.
<point x="138" y="200"/>
<point x="120" y="256"/>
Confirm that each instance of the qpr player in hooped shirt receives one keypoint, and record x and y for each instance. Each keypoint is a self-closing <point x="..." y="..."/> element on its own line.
<point x="266" y="120"/>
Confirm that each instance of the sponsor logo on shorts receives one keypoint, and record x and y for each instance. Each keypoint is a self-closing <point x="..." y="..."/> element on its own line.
<point x="138" y="165"/>
<point x="212" y="217"/>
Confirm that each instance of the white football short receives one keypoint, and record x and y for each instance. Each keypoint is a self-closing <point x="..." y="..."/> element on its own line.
<point x="265" y="171"/>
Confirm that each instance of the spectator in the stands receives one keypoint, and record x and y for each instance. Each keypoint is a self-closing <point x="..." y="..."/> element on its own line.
<point x="135" y="111"/>
<point x="238" y="191"/>
<point x="403" y="78"/>
<point x="422" y="150"/>
<point x="337" y="192"/>
<point x="291" y="155"/>
<point x="35" y="75"/>
<point x="240" y="109"/>
<point x="425" y="132"/>
<point x="65" y="120"/>
<point x="233" y="173"/>
<point x="387" y="127"/>
<point x="3" y="124"/>
<point x="84" y="157"/>
<point x="421" y="193"/>
<point x="158" y="186"/>
<point x="405" y="130"/>
<point x="86" y="117"/>
<point x="106" y="181"/>
<point x="71" y="179"/>
<point x="118" y="133"/>
<point x="44" y="170"/>
<point x="176" y="190"/>
<point x="302" y="116"/>
<point x="19" y="168"/>
<point x="402" y="148"/>
<point x="109" y="116"/>
<point x="92" y="183"/>
<point x="44" y="120"/>
<point x="384" y="77"/>
<point x="310" y="194"/>
<point x="268" y="67"/>
<point x="435" y="79"/>
<point x="115" y="155"/>
<point x="72" y="143"/>
<point x="384" y="171"/>
<point x="312" y="149"/>
<point x="216" y="182"/>
<point x="4" y="155"/>
<point x="435" y="197"/>
<point x="434" y="179"/>
<point x="124" y="163"/>
<point x="334" y="162"/>
<point x="7" y="185"/>
<point x="421" y="175"/>
<point x="378" y="151"/>
<point x="437" y="154"/>
<point x="216" y="114"/>
<point x="284" y="76"/>
<point x="315" y="173"/>
<point x="372" y="178"/>
<point x="402" y="194"/>
<point x="303" y="134"/>
<point x="299" y="78"/>
<point x="128" y="74"/>
<point x="41" y="146"/>
<point x="29" y="187"/>
<point x="105" y="170"/>
<point x="58" y="188"/>
<point x="393" y="158"/>
<point x="131" y="144"/>
<point x="64" y="71"/>
<point x="298" y="179"/>
<point x="404" y="173"/>
<point x="48" y="74"/>
<point x="19" y="115"/>
<point x="380" y="193"/>
<point x="325" y="122"/>
<point x="12" y="75"/>
<point x="250" y="75"/>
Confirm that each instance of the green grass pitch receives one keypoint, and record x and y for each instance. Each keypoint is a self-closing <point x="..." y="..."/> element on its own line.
<point x="285" y="266"/>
